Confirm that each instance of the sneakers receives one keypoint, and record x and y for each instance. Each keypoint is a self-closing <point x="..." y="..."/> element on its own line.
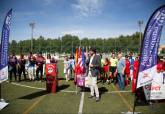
<point x="97" y="99"/>
<point x="91" y="96"/>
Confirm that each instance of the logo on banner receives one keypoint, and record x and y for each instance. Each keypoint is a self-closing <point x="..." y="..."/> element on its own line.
<point x="145" y="75"/>
<point x="50" y="70"/>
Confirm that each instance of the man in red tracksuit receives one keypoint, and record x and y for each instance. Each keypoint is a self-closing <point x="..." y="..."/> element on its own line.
<point x="40" y="60"/>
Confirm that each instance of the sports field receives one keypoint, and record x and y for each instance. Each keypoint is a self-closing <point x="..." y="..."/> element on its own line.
<point x="30" y="97"/>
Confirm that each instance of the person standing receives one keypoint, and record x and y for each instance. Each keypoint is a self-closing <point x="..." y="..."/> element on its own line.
<point x="21" y="66"/>
<point x="120" y="71"/>
<point x="135" y="71"/>
<point x="48" y="58"/>
<point x="13" y="66"/>
<point x="66" y="68"/>
<point x="131" y="59"/>
<point x="106" y="71"/>
<point x="40" y="60"/>
<point x="127" y="70"/>
<point x="72" y="66"/>
<point x="101" y="77"/>
<point x="31" y="66"/>
<point x="113" y="67"/>
<point x="94" y="66"/>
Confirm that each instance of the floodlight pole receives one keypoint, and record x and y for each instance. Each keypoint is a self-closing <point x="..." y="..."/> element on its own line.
<point x="32" y="25"/>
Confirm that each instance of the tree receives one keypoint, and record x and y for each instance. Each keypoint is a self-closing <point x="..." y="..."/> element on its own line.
<point x="68" y="44"/>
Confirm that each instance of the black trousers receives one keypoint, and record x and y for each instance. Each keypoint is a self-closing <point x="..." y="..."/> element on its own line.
<point x="20" y="71"/>
<point x="39" y="70"/>
<point x="13" y="71"/>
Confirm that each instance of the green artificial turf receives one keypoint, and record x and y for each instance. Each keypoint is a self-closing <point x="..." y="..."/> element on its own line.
<point x="66" y="101"/>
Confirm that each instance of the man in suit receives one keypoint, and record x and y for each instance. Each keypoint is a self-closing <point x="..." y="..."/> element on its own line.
<point x="94" y="66"/>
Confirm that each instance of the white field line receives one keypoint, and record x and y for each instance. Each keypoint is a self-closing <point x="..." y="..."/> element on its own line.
<point x="68" y="91"/>
<point x="22" y="85"/>
<point x="81" y="103"/>
<point x="129" y="91"/>
<point x="27" y="86"/>
<point x="39" y="88"/>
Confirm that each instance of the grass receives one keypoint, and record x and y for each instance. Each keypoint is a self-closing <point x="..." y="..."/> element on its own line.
<point x="24" y="100"/>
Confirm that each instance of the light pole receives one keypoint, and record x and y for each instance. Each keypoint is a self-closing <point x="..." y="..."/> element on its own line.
<point x="32" y="25"/>
<point x="140" y="23"/>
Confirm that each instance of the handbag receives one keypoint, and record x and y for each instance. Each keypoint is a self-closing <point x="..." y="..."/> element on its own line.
<point x="80" y="81"/>
<point x="88" y="81"/>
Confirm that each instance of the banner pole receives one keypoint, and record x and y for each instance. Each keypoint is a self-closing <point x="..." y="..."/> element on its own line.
<point x="141" y="47"/>
<point x="0" y="93"/>
<point x="1" y="99"/>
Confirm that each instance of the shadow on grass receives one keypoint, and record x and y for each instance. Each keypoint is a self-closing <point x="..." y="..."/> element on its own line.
<point x="60" y="78"/>
<point x="62" y="87"/>
<point x="140" y="99"/>
<point x="41" y="93"/>
<point x="102" y="90"/>
<point x="34" y="95"/>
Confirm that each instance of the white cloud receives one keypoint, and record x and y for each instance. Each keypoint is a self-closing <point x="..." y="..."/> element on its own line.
<point x="88" y="7"/>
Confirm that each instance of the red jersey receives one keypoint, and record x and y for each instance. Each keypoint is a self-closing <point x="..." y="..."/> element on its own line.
<point x="161" y="66"/>
<point x="40" y="61"/>
<point x="135" y="68"/>
<point x="106" y="66"/>
<point x="164" y="66"/>
<point x="127" y="66"/>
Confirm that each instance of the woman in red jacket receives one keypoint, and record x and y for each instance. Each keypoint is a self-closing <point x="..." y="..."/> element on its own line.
<point x="135" y="71"/>
<point x="127" y="70"/>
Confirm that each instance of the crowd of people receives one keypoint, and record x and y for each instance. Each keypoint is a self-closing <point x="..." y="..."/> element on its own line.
<point x="117" y="68"/>
<point x="114" y="69"/>
<point x="34" y="68"/>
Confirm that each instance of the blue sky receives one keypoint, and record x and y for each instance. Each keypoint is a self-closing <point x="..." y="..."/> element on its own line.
<point x="84" y="18"/>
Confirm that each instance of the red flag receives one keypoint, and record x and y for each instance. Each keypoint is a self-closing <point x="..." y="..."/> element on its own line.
<point x="76" y="56"/>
